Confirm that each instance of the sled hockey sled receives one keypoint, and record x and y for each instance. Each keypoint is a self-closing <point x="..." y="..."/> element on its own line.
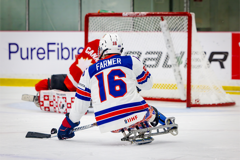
<point x="144" y="136"/>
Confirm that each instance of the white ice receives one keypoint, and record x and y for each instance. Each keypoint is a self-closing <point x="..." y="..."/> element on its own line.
<point x="204" y="134"/>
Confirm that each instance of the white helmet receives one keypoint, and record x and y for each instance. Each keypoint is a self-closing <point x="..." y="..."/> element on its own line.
<point x="109" y="44"/>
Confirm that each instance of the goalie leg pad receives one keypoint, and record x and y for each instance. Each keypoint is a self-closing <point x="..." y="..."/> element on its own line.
<point x="56" y="101"/>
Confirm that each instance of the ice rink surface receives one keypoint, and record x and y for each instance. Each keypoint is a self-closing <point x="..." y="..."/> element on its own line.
<point x="204" y="134"/>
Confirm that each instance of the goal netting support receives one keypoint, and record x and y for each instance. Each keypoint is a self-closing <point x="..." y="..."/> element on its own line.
<point x="168" y="46"/>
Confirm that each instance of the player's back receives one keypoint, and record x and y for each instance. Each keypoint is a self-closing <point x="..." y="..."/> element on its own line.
<point x="114" y="95"/>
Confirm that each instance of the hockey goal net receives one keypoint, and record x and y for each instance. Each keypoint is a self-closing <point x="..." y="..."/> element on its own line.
<point x="168" y="46"/>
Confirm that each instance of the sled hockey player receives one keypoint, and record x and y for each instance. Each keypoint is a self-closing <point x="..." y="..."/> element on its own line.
<point x="65" y="82"/>
<point x="111" y="84"/>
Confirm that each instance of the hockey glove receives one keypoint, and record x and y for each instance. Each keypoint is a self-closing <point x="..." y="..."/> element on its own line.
<point x="64" y="131"/>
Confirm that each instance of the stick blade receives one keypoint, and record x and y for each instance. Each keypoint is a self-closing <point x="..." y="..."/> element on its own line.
<point x="37" y="135"/>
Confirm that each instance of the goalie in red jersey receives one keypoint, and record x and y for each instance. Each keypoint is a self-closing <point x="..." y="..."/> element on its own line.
<point x="49" y="98"/>
<point x="68" y="82"/>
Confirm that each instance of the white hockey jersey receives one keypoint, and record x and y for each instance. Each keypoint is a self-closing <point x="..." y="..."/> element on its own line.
<point x="111" y="84"/>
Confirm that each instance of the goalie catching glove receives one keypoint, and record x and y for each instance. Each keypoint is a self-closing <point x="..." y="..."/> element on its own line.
<point x="64" y="131"/>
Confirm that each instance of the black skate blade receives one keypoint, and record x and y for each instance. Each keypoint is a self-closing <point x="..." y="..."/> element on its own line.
<point x="37" y="135"/>
<point x="143" y="141"/>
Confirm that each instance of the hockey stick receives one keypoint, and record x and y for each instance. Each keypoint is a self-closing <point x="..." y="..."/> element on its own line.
<point x="54" y="132"/>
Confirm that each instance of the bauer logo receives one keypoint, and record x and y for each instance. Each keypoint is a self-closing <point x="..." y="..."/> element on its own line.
<point x="131" y="119"/>
<point x="152" y="59"/>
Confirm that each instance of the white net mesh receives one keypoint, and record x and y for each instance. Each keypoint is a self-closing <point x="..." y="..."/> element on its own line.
<point x="142" y="36"/>
<point x="205" y="87"/>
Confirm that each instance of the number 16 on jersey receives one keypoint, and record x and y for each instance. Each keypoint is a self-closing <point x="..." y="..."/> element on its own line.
<point x="112" y="86"/>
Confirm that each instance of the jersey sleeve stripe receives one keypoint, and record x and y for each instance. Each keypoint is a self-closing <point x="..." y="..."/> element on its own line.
<point x="141" y="75"/>
<point x="144" y="78"/>
<point x="84" y="89"/>
<point x="83" y="93"/>
<point x="87" y="90"/>
<point x="119" y="112"/>
<point x="118" y="117"/>
<point x="82" y="97"/>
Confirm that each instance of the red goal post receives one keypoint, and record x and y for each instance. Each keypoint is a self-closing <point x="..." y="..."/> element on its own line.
<point x="167" y="44"/>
